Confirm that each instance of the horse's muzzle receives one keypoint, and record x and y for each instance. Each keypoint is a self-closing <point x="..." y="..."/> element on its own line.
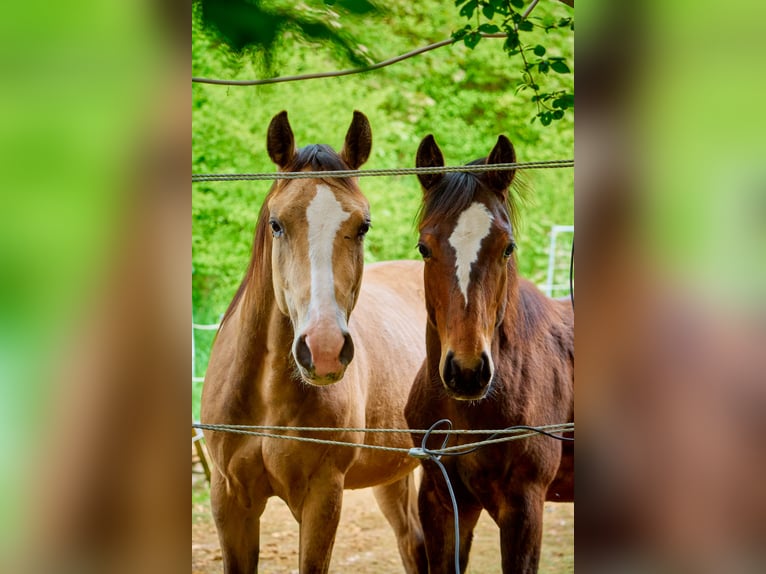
<point x="467" y="382"/>
<point x="323" y="359"/>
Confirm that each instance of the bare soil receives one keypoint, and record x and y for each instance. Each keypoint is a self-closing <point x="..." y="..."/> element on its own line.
<point x="365" y="542"/>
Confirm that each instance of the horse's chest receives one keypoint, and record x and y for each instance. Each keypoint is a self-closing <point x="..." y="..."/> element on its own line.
<point x="481" y="470"/>
<point x="493" y="471"/>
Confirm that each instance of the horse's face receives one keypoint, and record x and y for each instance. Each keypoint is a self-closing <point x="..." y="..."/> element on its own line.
<point x="318" y="228"/>
<point x="466" y="240"/>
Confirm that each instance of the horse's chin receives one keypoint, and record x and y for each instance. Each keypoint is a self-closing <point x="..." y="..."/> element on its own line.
<point x="315" y="381"/>
<point x="467" y="397"/>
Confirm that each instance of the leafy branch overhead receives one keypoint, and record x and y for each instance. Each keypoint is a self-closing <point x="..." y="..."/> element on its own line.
<point x="261" y="26"/>
<point x="506" y="16"/>
<point x="258" y="25"/>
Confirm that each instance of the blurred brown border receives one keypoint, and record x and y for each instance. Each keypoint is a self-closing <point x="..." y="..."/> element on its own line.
<point x="670" y="381"/>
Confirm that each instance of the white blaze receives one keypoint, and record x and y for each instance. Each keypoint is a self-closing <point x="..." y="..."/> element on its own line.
<point x="324" y="215"/>
<point x="472" y="227"/>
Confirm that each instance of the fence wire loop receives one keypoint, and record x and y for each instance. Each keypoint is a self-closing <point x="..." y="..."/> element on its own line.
<point x="426" y="453"/>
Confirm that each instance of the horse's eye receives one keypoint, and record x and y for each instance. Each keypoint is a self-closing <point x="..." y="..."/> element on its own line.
<point x="276" y="229"/>
<point x="363" y="229"/>
<point x="509" y="249"/>
<point x="424" y="250"/>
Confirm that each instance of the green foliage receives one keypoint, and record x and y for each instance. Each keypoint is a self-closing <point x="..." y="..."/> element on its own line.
<point x="503" y="15"/>
<point x="255" y="27"/>
<point x="462" y="96"/>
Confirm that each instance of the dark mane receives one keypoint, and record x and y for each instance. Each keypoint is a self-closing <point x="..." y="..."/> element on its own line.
<point x="456" y="191"/>
<point x="314" y="157"/>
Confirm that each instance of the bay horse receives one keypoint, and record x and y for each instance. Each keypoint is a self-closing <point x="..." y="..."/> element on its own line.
<point x="290" y="353"/>
<point x="499" y="354"/>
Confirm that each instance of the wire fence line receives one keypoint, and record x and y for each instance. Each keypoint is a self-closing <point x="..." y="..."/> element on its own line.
<point x="547" y="164"/>
<point x="514" y="433"/>
<point x="422" y="453"/>
<point x="563" y="427"/>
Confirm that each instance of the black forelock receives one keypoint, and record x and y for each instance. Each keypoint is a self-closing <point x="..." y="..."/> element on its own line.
<point x="454" y="193"/>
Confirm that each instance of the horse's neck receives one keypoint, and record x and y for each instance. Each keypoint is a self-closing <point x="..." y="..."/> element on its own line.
<point x="531" y="318"/>
<point x="521" y="321"/>
<point x="263" y="332"/>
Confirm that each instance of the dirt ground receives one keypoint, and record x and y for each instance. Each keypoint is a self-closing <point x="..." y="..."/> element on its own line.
<point x="365" y="542"/>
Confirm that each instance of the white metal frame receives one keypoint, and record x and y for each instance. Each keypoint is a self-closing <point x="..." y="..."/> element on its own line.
<point x="549" y="286"/>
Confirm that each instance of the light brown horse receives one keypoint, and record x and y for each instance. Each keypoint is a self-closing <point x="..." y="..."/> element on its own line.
<point x="289" y="352"/>
<point x="499" y="353"/>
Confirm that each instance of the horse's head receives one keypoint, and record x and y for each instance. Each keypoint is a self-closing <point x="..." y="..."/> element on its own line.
<point x="318" y="228"/>
<point x="466" y="240"/>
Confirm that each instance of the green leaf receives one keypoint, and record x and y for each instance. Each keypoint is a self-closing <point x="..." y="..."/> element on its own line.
<point x="512" y="42"/>
<point x="542" y="66"/>
<point x="526" y="26"/>
<point x="558" y="114"/>
<point x="517" y="4"/>
<point x="560" y="67"/>
<point x="488" y="10"/>
<point x="545" y="118"/>
<point x="539" y="50"/>
<point x="489" y="28"/>
<point x="564" y="102"/>
<point x="472" y="39"/>
<point x="469" y="8"/>
<point x="459" y="34"/>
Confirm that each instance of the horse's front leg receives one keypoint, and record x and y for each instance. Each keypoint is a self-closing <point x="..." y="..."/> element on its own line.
<point x="399" y="503"/>
<point x="237" y="511"/>
<point x="521" y="530"/>
<point x="319" y="517"/>
<point x="437" y="518"/>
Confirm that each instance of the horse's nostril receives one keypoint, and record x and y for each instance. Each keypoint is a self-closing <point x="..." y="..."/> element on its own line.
<point x="449" y="367"/>
<point x="347" y="352"/>
<point x="303" y="353"/>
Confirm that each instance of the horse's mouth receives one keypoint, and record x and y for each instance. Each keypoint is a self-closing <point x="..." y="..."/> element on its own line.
<point x="470" y="393"/>
<point x="312" y="379"/>
<point x="462" y="396"/>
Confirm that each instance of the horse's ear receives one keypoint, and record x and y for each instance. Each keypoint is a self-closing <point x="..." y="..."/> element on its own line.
<point x="358" y="144"/>
<point x="429" y="155"/>
<point x="503" y="152"/>
<point x="280" y="141"/>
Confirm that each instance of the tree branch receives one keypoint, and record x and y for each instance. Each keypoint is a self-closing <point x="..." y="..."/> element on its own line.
<point x="377" y="66"/>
